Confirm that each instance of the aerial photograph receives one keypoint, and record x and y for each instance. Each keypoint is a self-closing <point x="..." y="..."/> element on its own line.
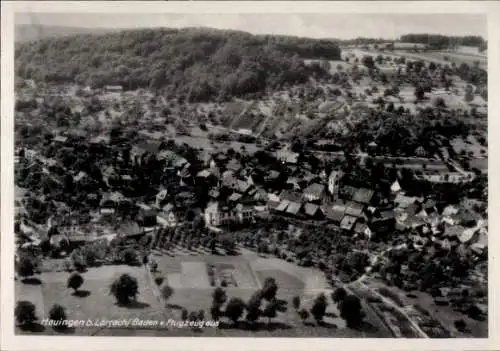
<point x="319" y="175"/>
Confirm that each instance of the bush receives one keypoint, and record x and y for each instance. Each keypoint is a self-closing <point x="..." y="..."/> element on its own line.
<point x="159" y="280"/>
<point x="58" y="313"/>
<point x="25" y="313"/>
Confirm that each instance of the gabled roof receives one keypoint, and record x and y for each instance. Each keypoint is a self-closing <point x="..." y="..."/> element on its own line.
<point x="162" y="194"/>
<point x="79" y="176"/>
<point x="334" y="214"/>
<point x="311" y="209"/>
<point x="354" y="209"/>
<point x="349" y="191"/>
<point x="363" y="195"/>
<point x="294" y="207"/>
<point x="315" y="189"/>
<point x="283" y="205"/>
<point x="290" y="196"/>
<point x="348" y="222"/>
<point x="60" y="138"/>
<point x="361" y="228"/>
<point x="235" y="197"/>
<point x="129" y="228"/>
<point x="404" y="201"/>
<point x="204" y="173"/>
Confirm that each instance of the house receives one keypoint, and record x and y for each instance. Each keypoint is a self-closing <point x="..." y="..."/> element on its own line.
<point x="363" y="196"/>
<point x="235" y="197"/>
<point x="290" y="196"/>
<point x="395" y="187"/>
<point x="233" y="165"/>
<point x="79" y="177"/>
<point x="314" y="192"/>
<point x="161" y="197"/>
<point x="130" y="229"/>
<point x="293" y="208"/>
<point x="60" y="139"/>
<point x="146" y="216"/>
<point x="313" y="211"/>
<point x="334" y="184"/>
<point x="110" y="202"/>
<point x="143" y="149"/>
<point x="216" y="214"/>
<point x="170" y="158"/>
<point x="109" y="175"/>
<point x="273" y="201"/>
<point x="363" y="229"/>
<point x="286" y="155"/>
<point x="167" y="217"/>
<point x="348" y="222"/>
<point x="453" y="232"/>
<point x="30" y="155"/>
<point x="354" y="209"/>
<point x="113" y="89"/>
<point x="384" y="222"/>
<point x="336" y="212"/>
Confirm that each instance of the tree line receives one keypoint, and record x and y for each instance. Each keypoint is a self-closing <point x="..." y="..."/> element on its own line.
<point x="443" y="41"/>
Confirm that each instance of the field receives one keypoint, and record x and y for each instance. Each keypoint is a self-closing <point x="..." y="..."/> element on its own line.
<point x="444" y="314"/>
<point x="192" y="290"/>
<point x="93" y="301"/>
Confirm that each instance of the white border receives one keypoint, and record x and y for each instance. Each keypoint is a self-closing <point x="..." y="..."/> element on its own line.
<point x="9" y="341"/>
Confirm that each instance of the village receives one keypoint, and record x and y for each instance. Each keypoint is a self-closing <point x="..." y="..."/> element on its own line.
<point x="123" y="177"/>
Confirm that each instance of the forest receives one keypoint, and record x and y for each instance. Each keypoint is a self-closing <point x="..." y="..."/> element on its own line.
<point x="197" y="64"/>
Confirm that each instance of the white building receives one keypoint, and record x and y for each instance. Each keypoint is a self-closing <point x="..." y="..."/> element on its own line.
<point x="334" y="183"/>
<point x="217" y="215"/>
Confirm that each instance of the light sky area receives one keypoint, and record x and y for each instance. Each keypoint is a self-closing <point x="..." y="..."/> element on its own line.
<point x="331" y="25"/>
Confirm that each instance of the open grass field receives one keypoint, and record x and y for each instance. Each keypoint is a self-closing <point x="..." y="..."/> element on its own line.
<point x="93" y="300"/>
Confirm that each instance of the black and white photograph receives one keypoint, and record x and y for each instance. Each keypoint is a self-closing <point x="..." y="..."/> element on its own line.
<point x="257" y="175"/>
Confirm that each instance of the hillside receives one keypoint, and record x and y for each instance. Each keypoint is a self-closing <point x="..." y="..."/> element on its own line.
<point x="198" y="64"/>
<point x="31" y="32"/>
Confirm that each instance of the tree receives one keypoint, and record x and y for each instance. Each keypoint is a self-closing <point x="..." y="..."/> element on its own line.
<point x="439" y="102"/>
<point x="368" y="61"/>
<point x="25" y="313"/>
<point x="253" y="307"/>
<point x="124" y="288"/>
<point x="350" y="311"/>
<point x="184" y="314"/>
<point x="219" y="296"/>
<point x="166" y="292"/>
<point x="269" y="289"/>
<point x="58" y="313"/>
<point x="318" y="309"/>
<point x="296" y="302"/>
<point x="338" y="295"/>
<point x="419" y="93"/>
<point x="234" y="309"/>
<point x="75" y="281"/>
<point x="215" y="311"/>
<point x="26" y="267"/>
<point x="201" y="315"/>
<point x="304" y="315"/>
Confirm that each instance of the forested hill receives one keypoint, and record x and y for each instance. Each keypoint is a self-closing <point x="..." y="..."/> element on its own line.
<point x="196" y="63"/>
